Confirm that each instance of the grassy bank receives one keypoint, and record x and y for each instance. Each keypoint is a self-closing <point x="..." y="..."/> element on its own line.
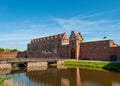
<point x="112" y="66"/>
<point x="2" y="80"/>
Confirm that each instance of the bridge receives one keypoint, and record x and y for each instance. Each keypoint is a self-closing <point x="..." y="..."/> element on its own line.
<point x="19" y="60"/>
<point x="30" y="62"/>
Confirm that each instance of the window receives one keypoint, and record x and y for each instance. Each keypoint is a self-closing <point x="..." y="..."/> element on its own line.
<point x="57" y="46"/>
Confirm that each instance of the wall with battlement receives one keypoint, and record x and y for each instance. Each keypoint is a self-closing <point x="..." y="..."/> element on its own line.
<point x="73" y="48"/>
<point x="47" y="47"/>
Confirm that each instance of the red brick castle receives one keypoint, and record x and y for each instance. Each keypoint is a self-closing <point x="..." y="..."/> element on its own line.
<point x="73" y="48"/>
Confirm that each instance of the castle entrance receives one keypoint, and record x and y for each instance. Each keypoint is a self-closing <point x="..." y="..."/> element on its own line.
<point x="72" y="53"/>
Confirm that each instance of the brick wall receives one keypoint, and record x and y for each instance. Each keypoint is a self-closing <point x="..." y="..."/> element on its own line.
<point x="64" y="51"/>
<point x="46" y="47"/>
<point x="8" y="54"/>
<point x="22" y="54"/>
<point x="115" y="50"/>
<point x="98" y="50"/>
<point x="72" y="48"/>
<point x="12" y="54"/>
<point x="118" y="52"/>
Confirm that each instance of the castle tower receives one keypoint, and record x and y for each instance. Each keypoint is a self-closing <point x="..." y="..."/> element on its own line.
<point x="74" y="45"/>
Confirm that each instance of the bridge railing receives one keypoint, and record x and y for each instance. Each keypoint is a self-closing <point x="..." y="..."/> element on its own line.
<point x="28" y="60"/>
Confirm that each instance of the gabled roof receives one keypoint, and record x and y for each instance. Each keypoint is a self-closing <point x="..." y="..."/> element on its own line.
<point x="75" y="36"/>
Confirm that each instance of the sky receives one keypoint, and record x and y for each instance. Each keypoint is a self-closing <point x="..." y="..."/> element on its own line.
<point x="23" y="20"/>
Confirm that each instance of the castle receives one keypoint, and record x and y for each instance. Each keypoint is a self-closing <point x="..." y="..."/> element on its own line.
<point x="73" y="48"/>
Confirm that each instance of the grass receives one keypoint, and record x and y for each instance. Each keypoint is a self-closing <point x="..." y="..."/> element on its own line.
<point x="112" y="66"/>
<point x="2" y="80"/>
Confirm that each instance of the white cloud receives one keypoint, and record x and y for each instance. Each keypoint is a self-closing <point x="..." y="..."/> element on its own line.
<point x="98" y="14"/>
<point x="18" y="38"/>
<point x="38" y="26"/>
<point x="25" y="30"/>
<point x="97" y="28"/>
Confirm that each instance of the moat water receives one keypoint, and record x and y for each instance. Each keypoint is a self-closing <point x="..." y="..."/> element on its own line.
<point x="62" y="77"/>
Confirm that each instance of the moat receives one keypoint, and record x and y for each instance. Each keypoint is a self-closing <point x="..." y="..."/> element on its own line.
<point x="61" y="76"/>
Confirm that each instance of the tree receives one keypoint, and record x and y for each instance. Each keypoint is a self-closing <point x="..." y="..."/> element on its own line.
<point x="14" y="50"/>
<point x="8" y="50"/>
<point x="2" y="50"/>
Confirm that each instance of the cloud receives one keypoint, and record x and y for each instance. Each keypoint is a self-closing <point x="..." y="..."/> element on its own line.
<point x="97" y="14"/>
<point x="91" y="29"/>
<point x="23" y="30"/>
<point x="18" y="38"/>
<point x="38" y="26"/>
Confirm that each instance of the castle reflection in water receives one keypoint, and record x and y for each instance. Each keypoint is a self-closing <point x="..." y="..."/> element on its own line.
<point x="65" y="77"/>
<point x="74" y="77"/>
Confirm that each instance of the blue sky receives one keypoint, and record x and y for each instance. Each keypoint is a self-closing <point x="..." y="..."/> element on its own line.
<point x="23" y="20"/>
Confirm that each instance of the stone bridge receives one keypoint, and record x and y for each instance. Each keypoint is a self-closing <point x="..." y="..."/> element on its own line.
<point x="30" y="62"/>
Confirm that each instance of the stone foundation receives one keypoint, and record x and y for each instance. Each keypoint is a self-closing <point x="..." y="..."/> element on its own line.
<point x="4" y="72"/>
<point x="60" y="62"/>
<point x="37" y="64"/>
<point x="5" y="66"/>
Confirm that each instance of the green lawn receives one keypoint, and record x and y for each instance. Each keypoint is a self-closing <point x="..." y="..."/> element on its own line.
<point x="112" y="66"/>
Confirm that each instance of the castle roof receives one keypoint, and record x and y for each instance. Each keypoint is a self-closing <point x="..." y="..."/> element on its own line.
<point x="95" y="40"/>
<point x="57" y="36"/>
<point x="76" y="36"/>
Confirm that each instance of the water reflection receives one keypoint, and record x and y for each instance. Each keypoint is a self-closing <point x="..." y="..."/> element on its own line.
<point x="66" y="77"/>
<point x="64" y="82"/>
<point x="99" y="78"/>
<point x="75" y="77"/>
<point x="78" y="79"/>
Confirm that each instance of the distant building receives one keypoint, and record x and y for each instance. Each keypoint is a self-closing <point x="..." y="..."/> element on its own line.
<point x="73" y="48"/>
